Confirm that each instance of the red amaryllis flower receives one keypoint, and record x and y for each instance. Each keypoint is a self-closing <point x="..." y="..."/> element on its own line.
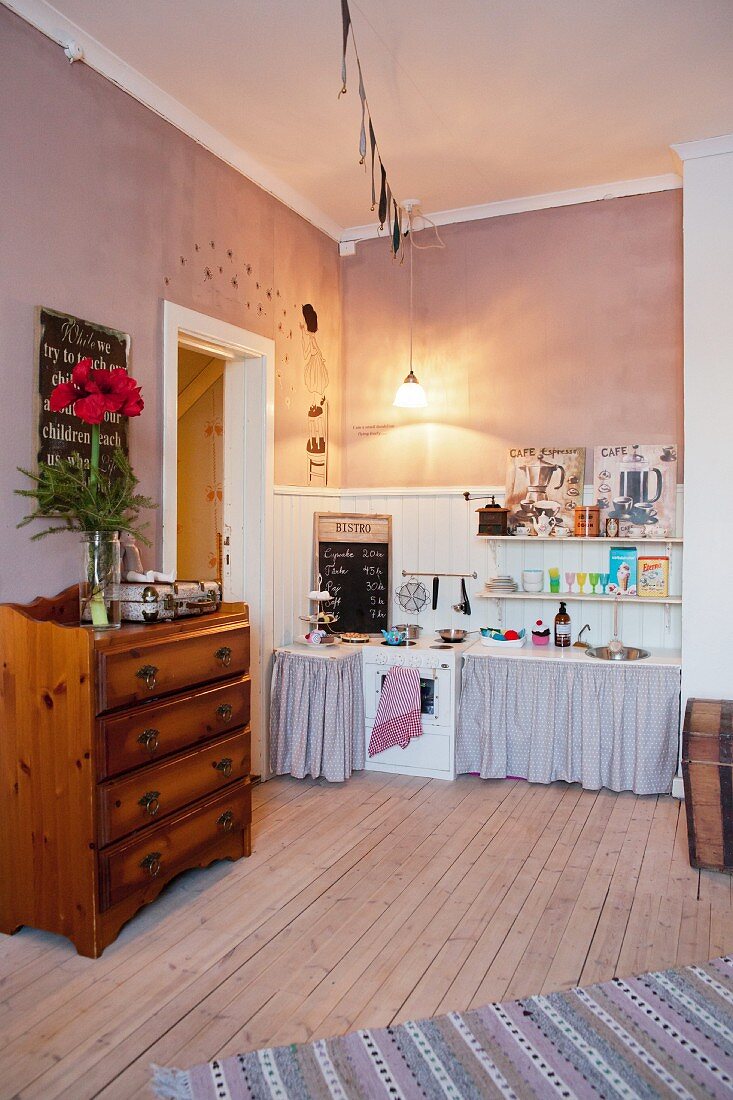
<point x="96" y="392"/>
<point x="127" y="390"/>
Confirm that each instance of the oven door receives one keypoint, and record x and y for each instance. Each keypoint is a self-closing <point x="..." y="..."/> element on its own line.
<point x="430" y="694"/>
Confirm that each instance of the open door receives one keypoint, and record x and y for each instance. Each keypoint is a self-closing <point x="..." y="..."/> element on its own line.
<point x="200" y="479"/>
<point x="218" y="470"/>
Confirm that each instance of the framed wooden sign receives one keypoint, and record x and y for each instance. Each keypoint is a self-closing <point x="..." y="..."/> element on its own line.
<point x="353" y="554"/>
<point x="62" y="342"/>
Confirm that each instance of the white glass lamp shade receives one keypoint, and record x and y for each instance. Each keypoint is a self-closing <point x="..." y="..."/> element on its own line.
<point x="410" y="395"/>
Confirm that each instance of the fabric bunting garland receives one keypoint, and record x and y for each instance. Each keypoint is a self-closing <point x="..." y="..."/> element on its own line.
<point x="389" y="211"/>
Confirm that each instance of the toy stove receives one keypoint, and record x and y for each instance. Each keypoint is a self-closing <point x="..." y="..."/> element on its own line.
<point x="439" y="666"/>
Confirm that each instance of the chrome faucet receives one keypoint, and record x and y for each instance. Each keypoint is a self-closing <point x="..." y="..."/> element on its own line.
<point x="579" y="641"/>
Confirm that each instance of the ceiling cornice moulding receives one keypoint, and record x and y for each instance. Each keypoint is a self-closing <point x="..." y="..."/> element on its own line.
<point x="705" y="147"/>
<point x="596" y="193"/>
<point x="45" y="18"/>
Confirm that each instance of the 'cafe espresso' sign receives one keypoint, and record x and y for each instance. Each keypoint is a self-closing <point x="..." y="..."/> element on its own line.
<point x="62" y="342"/>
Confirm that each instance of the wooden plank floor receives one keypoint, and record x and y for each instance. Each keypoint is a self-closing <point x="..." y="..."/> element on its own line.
<point x="385" y="898"/>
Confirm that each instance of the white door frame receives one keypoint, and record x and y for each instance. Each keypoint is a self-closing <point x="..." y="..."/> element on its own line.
<point x="249" y="460"/>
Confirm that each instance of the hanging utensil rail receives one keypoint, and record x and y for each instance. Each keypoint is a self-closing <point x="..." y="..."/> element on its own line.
<point x="436" y="573"/>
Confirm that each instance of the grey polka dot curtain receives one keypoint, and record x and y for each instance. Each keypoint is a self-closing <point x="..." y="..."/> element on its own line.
<point x="317" y="716"/>
<point x="582" y="722"/>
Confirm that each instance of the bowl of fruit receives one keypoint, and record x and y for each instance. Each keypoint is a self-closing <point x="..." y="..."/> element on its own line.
<point x="502" y="639"/>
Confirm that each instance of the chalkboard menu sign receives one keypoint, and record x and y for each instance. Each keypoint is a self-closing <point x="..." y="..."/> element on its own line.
<point x="62" y="342"/>
<point x="353" y="557"/>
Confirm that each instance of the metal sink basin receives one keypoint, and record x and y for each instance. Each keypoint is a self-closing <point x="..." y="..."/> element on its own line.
<point x="626" y="653"/>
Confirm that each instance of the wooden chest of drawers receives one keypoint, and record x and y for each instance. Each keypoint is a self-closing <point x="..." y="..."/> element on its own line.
<point x="124" y="760"/>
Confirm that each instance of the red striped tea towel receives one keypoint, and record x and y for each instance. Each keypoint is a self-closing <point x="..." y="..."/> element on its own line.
<point x="398" y="713"/>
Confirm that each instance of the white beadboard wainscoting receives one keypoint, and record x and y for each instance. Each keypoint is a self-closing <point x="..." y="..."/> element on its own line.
<point x="435" y="529"/>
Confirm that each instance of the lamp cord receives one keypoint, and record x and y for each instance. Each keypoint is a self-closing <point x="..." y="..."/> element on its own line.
<point x="411" y="296"/>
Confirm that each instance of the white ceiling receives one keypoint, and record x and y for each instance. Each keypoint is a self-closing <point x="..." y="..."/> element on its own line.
<point x="474" y="101"/>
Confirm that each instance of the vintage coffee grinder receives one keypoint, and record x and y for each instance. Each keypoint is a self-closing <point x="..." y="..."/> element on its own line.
<point x="492" y="518"/>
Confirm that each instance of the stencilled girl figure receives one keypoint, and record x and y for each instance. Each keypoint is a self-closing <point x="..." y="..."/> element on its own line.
<point x="316" y="382"/>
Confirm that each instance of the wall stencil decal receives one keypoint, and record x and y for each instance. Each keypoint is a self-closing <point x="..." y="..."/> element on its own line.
<point x="316" y="382"/>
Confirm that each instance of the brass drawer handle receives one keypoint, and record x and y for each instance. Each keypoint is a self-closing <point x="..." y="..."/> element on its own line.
<point x="224" y="712"/>
<point x="224" y="654"/>
<point x="151" y="864"/>
<point x="224" y="766"/>
<point x="149" y="738"/>
<point x="150" y="803"/>
<point x="226" y="821"/>
<point x="148" y="674"/>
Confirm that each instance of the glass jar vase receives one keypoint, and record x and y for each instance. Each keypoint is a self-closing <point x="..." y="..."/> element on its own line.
<point x="99" y="580"/>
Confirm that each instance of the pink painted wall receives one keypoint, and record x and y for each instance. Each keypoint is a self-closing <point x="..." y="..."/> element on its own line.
<point x="101" y="201"/>
<point x="559" y="327"/>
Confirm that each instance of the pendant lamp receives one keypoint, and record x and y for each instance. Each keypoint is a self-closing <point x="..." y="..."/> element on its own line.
<point x="410" y="395"/>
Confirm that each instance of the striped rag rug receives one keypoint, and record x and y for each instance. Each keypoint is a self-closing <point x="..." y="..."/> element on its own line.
<point x="667" y="1034"/>
<point x="398" y="711"/>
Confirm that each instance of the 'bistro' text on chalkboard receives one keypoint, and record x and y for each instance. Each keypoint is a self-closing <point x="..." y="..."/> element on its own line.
<point x="353" y="560"/>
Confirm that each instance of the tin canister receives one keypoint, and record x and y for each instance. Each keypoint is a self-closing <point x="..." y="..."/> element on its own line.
<point x="587" y="521"/>
<point x="612" y="527"/>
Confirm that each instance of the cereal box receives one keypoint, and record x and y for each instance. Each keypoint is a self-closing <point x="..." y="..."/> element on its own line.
<point x="653" y="577"/>
<point x="622" y="571"/>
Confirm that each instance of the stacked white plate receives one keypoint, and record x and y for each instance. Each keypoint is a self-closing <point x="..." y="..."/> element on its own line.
<point x="500" y="586"/>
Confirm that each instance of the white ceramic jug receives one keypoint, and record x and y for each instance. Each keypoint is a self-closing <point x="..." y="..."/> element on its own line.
<point x="543" y="525"/>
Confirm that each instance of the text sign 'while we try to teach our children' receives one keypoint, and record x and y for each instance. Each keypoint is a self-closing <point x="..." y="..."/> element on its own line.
<point x="352" y="555"/>
<point x="63" y="341"/>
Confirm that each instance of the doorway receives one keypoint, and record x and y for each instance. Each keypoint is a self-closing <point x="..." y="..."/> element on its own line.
<point x="200" y="493"/>
<point x="218" y="390"/>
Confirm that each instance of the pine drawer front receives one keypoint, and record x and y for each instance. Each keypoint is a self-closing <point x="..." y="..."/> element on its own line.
<point x="143" y="672"/>
<point x="207" y="831"/>
<point x="707" y="772"/>
<point x="149" y="794"/>
<point x="150" y="733"/>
